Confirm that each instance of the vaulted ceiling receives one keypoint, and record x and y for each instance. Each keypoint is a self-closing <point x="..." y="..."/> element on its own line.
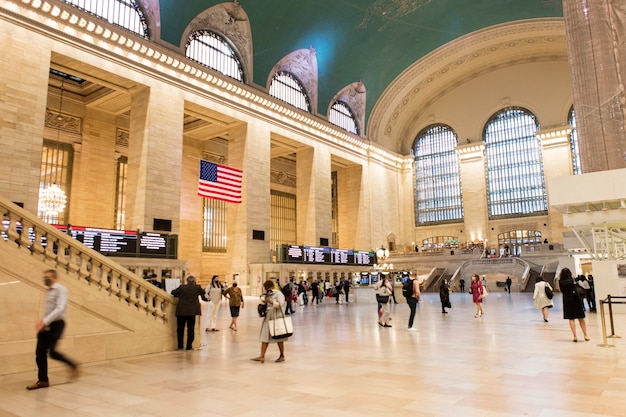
<point x="369" y="40"/>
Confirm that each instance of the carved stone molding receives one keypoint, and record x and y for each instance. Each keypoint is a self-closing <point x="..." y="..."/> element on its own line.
<point x="230" y="21"/>
<point x="455" y="63"/>
<point x="283" y="178"/>
<point x="354" y="95"/>
<point x="63" y="122"/>
<point x="214" y="157"/>
<point x="302" y="63"/>
<point x="122" y="137"/>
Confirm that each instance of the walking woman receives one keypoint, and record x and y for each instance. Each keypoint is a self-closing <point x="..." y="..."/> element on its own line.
<point x="383" y="291"/>
<point x="572" y="306"/>
<point x="214" y="295"/>
<point x="477" y="291"/>
<point x="542" y="302"/>
<point x="444" y="296"/>
<point x="275" y="301"/>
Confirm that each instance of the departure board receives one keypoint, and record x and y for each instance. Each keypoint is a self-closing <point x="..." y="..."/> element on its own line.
<point x="326" y="256"/>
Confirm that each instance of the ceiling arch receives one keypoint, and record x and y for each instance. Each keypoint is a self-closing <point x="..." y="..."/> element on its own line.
<point x="392" y="122"/>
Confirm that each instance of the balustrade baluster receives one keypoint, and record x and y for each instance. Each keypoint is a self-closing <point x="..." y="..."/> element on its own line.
<point x="25" y="235"/>
<point x="62" y="254"/>
<point x="37" y="246"/>
<point x="12" y="229"/>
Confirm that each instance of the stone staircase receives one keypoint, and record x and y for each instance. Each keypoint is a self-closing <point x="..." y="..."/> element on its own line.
<point x="112" y="312"/>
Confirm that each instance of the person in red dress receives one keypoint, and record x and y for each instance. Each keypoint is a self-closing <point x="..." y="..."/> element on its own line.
<point x="477" y="291"/>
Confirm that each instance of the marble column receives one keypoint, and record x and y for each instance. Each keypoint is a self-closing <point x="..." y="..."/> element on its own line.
<point x="596" y="46"/>
<point x="353" y="232"/>
<point x="474" y="192"/>
<point x="155" y="157"/>
<point x="313" y="195"/>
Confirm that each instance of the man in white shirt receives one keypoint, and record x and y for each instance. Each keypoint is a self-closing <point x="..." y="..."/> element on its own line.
<point x="50" y="328"/>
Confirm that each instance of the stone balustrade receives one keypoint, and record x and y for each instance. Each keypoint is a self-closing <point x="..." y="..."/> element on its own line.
<point x="60" y="251"/>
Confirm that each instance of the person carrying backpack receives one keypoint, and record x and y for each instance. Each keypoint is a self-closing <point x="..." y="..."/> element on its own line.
<point x="287" y="291"/>
<point x="411" y="291"/>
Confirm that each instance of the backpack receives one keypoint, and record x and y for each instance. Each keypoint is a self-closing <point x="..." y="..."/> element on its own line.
<point x="287" y="290"/>
<point x="407" y="289"/>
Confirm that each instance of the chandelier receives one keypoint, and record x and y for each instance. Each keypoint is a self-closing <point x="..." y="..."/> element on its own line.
<point x="52" y="198"/>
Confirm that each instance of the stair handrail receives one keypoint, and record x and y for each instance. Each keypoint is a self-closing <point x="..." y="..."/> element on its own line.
<point x="70" y="255"/>
<point x="526" y="274"/>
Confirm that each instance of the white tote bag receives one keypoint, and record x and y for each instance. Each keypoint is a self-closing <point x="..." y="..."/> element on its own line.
<point x="281" y="327"/>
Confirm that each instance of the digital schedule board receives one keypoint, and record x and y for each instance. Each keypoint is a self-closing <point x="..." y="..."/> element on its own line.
<point x="326" y="256"/>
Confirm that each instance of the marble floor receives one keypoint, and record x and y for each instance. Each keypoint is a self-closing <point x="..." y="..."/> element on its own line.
<point x="341" y="363"/>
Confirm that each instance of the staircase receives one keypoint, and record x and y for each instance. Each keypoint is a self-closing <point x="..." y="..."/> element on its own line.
<point x="433" y="284"/>
<point x="513" y="267"/>
<point x="112" y="313"/>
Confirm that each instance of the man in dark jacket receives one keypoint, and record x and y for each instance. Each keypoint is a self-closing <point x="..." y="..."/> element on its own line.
<point x="187" y="309"/>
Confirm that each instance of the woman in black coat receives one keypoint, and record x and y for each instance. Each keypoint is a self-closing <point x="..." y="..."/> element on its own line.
<point x="444" y="295"/>
<point x="572" y="305"/>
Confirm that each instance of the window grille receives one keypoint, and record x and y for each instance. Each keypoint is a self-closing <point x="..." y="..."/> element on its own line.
<point x="515" y="240"/>
<point x="282" y="219"/>
<point x="573" y="143"/>
<point x="120" y="193"/>
<point x="287" y="88"/>
<point x="341" y="115"/>
<point x="215" y="226"/>
<point x="437" y="180"/>
<point x="122" y="13"/>
<point x="515" y="180"/>
<point x="210" y="49"/>
<point x="56" y="168"/>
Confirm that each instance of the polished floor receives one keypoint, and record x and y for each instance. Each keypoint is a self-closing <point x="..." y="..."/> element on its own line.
<point x="341" y="363"/>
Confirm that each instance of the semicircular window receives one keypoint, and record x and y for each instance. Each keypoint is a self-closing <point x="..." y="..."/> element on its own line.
<point x="286" y="87"/>
<point x="213" y="50"/>
<point x="515" y="180"/>
<point x="341" y="115"/>
<point x="437" y="179"/>
<point x="123" y="13"/>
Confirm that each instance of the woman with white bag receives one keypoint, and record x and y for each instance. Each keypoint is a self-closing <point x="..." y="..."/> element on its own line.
<point x="276" y="328"/>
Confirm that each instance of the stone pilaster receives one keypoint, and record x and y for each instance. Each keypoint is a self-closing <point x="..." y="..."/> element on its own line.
<point x="352" y="230"/>
<point x="154" y="157"/>
<point x="313" y="195"/>
<point x="474" y="191"/>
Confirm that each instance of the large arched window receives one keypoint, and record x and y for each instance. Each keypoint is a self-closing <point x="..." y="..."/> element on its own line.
<point x="437" y="180"/>
<point x="123" y="13"/>
<point x="210" y="49"/>
<point x="286" y="87"/>
<point x="342" y="116"/>
<point x="573" y="143"/>
<point x="515" y="182"/>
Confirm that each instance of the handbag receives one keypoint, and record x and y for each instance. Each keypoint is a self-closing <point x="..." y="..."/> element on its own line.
<point x="382" y="299"/>
<point x="262" y="309"/>
<point x="281" y="327"/>
<point x="580" y="292"/>
<point x="549" y="293"/>
<point x="448" y="304"/>
<point x="484" y="293"/>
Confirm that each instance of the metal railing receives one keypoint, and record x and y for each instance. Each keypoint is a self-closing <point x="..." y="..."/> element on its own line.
<point x="609" y="301"/>
<point x="29" y="233"/>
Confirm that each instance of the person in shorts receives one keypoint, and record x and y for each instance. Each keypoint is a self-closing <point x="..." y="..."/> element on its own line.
<point x="236" y="302"/>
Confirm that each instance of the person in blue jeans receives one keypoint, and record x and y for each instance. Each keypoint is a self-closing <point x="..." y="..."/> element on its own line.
<point x="412" y="300"/>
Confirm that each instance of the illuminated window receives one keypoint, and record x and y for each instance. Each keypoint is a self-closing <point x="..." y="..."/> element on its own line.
<point x="214" y="237"/>
<point x="438" y="243"/>
<point x="282" y="219"/>
<point x="210" y="49"/>
<point x="437" y="180"/>
<point x="287" y="88"/>
<point x="56" y="168"/>
<point x="573" y="143"/>
<point x="341" y="115"/>
<point x="515" y="240"/>
<point x="120" y="193"/>
<point x="123" y="13"/>
<point x="515" y="182"/>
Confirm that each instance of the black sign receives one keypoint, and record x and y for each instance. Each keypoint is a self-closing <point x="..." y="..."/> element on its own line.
<point x="326" y="256"/>
<point x="152" y="244"/>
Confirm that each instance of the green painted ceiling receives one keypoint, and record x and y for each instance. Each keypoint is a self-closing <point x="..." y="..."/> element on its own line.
<point x="368" y="40"/>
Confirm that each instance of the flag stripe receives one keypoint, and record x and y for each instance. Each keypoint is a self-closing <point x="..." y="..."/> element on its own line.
<point x="220" y="182"/>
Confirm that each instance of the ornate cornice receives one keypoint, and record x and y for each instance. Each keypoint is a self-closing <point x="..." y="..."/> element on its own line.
<point x="455" y="63"/>
<point x="122" y="137"/>
<point x="65" y="122"/>
<point x="282" y="178"/>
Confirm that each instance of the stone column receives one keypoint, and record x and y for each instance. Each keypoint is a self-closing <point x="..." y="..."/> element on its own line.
<point x="596" y="45"/>
<point x="474" y="192"/>
<point x="155" y="157"/>
<point x="556" y="150"/>
<point x="313" y="195"/>
<point x="24" y="86"/>
<point x="353" y="232"/>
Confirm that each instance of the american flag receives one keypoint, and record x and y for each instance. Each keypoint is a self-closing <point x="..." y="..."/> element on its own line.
<point x="219" y="182"/>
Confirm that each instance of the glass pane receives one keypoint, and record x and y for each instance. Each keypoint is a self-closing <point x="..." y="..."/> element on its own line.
<point x="287" y="88"/>
<point x="210" y="49"/>
<point x="123" y="13"/>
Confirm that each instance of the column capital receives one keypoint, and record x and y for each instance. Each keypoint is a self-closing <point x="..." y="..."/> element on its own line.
<point x="470" y="151"/>
<point x="554" y="136"/>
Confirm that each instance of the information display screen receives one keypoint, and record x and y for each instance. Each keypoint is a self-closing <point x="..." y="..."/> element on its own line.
<point x="153" y="244"/>
<point x="326" y="256"/>
<point x="106" y="241"/>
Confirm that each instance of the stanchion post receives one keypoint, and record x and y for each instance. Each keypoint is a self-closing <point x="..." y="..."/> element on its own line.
<point x="610" y="303"/>
<point x="603" y="319"/>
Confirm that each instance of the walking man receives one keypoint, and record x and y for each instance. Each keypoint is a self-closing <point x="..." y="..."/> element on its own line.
<point x="50" y="329"/>
<point x="411" y="291"/>
<point x="509" y="281"/>
<point x="462" y="285"/>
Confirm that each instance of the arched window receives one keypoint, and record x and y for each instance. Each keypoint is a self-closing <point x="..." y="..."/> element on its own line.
<point x="342" y="116"/>
<point x="515" y="182"/>
<point x="287" y="88"/>
<point x="210" y="49"/>
<point x="573" y="143"/>
<point x="123" y="13"/>
<point x="437" y="180"/>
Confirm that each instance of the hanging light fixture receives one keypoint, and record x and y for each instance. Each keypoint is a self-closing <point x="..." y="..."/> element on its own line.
<point x="52" y="198"/>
